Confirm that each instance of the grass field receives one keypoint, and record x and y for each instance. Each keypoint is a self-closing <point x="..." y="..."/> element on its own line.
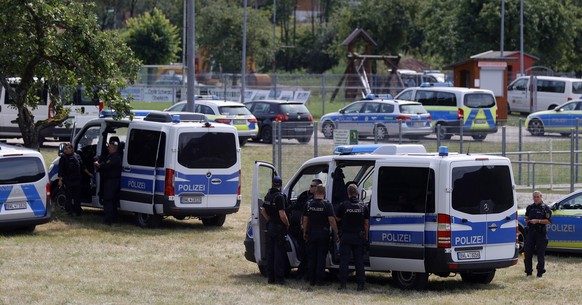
<point x="81" y="261"/>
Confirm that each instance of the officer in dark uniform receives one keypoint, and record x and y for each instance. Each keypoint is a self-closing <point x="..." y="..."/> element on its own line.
<point x="317" y="218"/>
<point x="355" y="226"/>
<point x="110" y="170"/>
<point x="70" y="173"/>
<point x="273" y="210"/>
<point x="295" y="225"/>
<point x="537" y="216"/>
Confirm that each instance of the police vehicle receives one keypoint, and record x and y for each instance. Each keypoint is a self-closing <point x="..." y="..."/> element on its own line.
<point x="173" y="165"/>
<point x="561" y="119"/>
<point x="24" y="189"/>
<point x="459" y="216"/>
<point x="470" y="111"/>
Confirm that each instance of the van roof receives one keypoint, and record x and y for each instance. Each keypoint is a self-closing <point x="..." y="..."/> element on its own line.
<point x="8" y="149"/>
<point x="454" y="89"/>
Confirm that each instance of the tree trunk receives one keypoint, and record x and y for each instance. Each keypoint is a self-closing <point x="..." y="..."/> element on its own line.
<point x="27" y="127"/>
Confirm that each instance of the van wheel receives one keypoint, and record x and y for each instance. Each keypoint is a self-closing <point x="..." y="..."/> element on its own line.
<point x="479" y="137"/>
<point x="304" y="140"/>
<point x="28" y="229"/>
<point x="536" y="127"/>
<point x="478" y="277"/>
<point x="381" y="133"/>
<point x="327" y="129"/>
<point x="521" y="238"/>
<point x="267" y="134"/>
<point x="148" y="220"/>
<point x="410" y="280"/>
<point x="242" y="141"/>
<point x="59" y="197"/>
<point x="215" y="221"/>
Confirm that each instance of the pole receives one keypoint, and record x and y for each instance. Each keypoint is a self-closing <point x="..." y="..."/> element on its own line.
<point x="521" y="38"/>
<point x="502" y="27"/>
<point x="244" y="55"/>
<point x="191" y="57"/>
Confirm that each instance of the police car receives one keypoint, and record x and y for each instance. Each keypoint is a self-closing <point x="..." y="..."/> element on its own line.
<point x="171" y="166"/>
<point x="383" y="118"/>
<point x="24" y="189"/>
<point x="563" y="232"/>
<point x="561" y="119"/>
<point x="459" y="217"/>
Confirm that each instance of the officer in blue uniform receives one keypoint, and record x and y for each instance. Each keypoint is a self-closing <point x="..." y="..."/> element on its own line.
<point x="110" y="171"/>
<point x="537" y="216"/>
<point x="318" y="216"/>
<point x="355" y="226"/>
<point x="273" y="210"/>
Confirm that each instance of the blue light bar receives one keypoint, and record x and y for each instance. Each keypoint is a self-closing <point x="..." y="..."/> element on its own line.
<point x="355" y="149"/>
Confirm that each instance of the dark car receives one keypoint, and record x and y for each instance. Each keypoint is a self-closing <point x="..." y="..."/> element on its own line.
<point x="295" y="118"/>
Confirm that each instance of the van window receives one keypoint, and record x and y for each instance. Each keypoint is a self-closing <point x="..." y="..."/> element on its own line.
<point x="432" y="98"/>
<point x="301" y="185"/>
<point x="43" y="94"/>
<point x="207" y="149"/>
<point x="234" y="110"/>
<point x="519" y="85"/>
<point x="479" y="100"/>
<point x="406" y="189"/>
<point x="405" y="95"/>
<point x="78" y="96"/>
<point x="20" y="170"/>
<point x="577" y="87"/>
<point x="146" y="148"/>
<point x="482" y="189"/>
<point x="552" y="86"/>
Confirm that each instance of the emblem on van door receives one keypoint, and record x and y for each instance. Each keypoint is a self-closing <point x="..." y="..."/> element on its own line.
<point x="208" y="175"/>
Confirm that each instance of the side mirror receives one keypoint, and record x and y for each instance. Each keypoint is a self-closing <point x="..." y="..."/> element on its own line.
<point x="342" y="111"/>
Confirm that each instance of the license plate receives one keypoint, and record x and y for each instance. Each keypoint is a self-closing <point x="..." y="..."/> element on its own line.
<point x="240" y="122"/>
<point x="15" y="205"/>
<point x="300" y="129"/>
<point x="418" y="124"/>
<point x="191" y="199"/>
<point x="469" y="255"/>
<point x="480" y="122"/>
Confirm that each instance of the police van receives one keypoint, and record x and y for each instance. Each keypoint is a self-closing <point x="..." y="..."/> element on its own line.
<point x="458" y="215"/>
<point x="24" y="189"/>
<point x="173" y="165"/>
<point x="456" y="110"/>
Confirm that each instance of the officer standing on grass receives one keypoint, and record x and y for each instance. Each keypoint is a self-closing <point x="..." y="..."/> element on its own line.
<point x="70" y="173"/>
<point x="537" y="216"/>
<point x="273" y="210"/>
<point x="110" y="171"/>
<point x="355" y="225"/>
<point x="317" y="219"/>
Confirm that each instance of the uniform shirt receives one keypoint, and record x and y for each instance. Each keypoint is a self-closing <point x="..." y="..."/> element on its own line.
<point x="541" y="211"/>
<point x="318" y="211"/>
<point x="273" y="203"/>
<point x="111" y="166"/>
<point x="352" y="214"/>
<point x="70" y="169"/>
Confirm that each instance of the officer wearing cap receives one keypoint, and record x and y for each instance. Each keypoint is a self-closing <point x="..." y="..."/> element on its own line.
<point x="355" y="225"/>
<point x="537" y="216"/>
<point x="273" y="210"/>
<point x="110" y="171"/>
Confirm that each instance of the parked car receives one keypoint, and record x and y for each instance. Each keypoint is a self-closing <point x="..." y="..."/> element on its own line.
<point x="296" y="120"/>
<point x="563" y="232"/>
<point x="558" y="120"/>
<point x="227" y="112"/>
<point x="386" y="118"/>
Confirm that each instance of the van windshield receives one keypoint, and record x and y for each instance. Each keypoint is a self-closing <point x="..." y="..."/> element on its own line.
<point x="20" y="170"/>
<point x="207" y="149"/>
<point x="482" y="189"/>
<point x="479" y="100"/>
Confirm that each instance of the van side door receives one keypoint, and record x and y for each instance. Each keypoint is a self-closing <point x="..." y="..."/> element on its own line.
<point x="143" y="169"/>
<point x="403" y="202"/>
<point x="518" y="95"/>
<point x="263" y="174"/>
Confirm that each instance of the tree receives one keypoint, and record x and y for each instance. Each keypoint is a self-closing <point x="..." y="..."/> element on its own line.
<point x="153" y="38"/>
<point x="59" y="43"/>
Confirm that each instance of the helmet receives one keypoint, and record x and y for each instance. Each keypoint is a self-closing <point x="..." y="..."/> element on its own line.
<point x="277" y="180"/>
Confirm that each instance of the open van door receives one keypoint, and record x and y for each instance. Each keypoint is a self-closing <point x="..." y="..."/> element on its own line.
<point x="262" y="178"/>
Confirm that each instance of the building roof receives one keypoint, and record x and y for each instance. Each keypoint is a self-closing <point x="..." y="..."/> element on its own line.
<point x="491" y="56"/>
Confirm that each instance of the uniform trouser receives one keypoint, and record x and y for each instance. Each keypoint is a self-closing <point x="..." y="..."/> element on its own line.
<point x="73" y="202"/>
<point x="535" y="241"/>
<point x="317" y="247"/>
<point x="110" y="199"/>
<point x="352" y="243"/>
<point x="275" y="254"/>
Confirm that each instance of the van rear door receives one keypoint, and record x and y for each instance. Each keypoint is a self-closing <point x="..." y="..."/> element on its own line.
<point x="263" y="174"/>
<point x="143" y="165"/>
<point x="403" y="198"/>
<point x="483" y="211"/>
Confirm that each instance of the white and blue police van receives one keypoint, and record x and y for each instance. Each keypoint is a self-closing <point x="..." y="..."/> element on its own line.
<point x="173" y="164"/>
<point x="430" y="213"/>
<point x="24" y="189"/>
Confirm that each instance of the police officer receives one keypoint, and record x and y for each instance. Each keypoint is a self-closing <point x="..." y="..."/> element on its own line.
<point x="70" y="173"/>
<point x="537" y="216"/>
<point x="355" y="225"/>
<point x="318" y="216"/>
<point x="273" y="210"/>
<point x="295" y="225"/>
<point x="110" y="170"/>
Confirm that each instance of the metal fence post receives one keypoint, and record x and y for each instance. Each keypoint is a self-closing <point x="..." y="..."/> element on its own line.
<point x="375" y="133"/>
<point x="461" y="136"/>
<point x="577" y="145"/>
<point x="280" y="146"/>
<point x="519" y="150"/>
<point x="503" y="142"/>
<point x="399" y="131"/>
<point x="533" y="184"/>
<point x="322" y="94"/>
<point x="572" y="168"/>
<point x="274" y="141"/>
<point x="438" y="134"/>
<point x="315" y="139"/>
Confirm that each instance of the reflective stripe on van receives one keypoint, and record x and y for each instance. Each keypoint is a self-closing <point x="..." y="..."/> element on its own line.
<point x="33" y="199"/>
